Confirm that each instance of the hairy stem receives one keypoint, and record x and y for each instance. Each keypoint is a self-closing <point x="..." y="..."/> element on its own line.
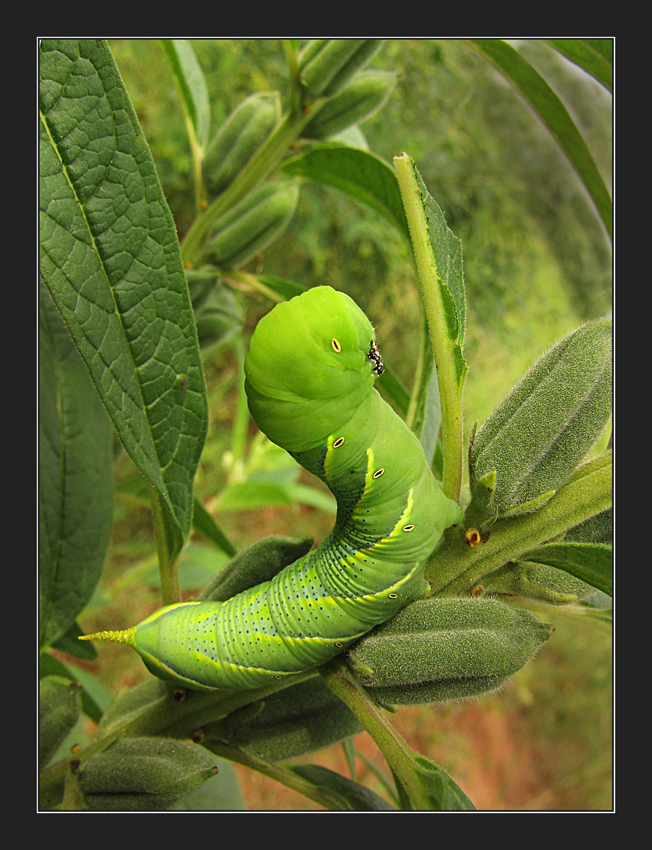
<point x="450" y="385"/>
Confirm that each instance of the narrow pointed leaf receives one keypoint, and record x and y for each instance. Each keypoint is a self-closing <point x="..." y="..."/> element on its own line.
<point x="204" y="523"/>
<point x="536" y="91"/>
<point x="593" y="55"/>
<point x="442" y="793"/>
<point x="110" y="258"/>
<point x="590" y="562"/>
<point x="191" y="82"/>
<point x="352" y="795"/>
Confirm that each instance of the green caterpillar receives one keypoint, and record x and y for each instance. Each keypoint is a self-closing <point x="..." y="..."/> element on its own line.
<point x="310" y="372"/>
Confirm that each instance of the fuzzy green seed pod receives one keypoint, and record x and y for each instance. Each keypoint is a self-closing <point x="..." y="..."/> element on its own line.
<point x="300" y="719"/>
<point x="252" y="225"/>
<point x="59" y="710"/>
<point x="365" y="95"/>
<point x="546" y="425"/>
<point x="243" y="132"/>
<point x="144" y="774"/>
<point x="328" y="65"/>
<point x="442" y="649"/>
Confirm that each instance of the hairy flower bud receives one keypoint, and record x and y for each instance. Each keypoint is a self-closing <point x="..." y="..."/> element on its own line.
<point x="252" y="225"/>
<point x="144" y="774"/>
<point x="364" y="96"/>
<point x="328" y="64"/>
<point x="441" y="649"/>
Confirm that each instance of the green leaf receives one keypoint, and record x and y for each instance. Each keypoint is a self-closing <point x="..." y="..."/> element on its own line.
<point x="593" y="55"/>
<point x="598" y="529"/>
<point x="71" y="645"/>
<point x="59" y="710"/>
<point x="590" y="562"/>
<point x="93" y="696"/>
<point x="252" y="495"/>
<point x="392" y="387"/>
<point x="110" y="258"/>
<point x="353" y="796"/>
<point x="191" y="82"/>
<point x="204" y="523"/>
<point x="442" y="793"/>
<point x="281" y="288"/>
<point x="357" y="173"/>
<point x="75" y="482"/>
<point x="536" y="91"/>
<point x="424" y="415"/>
<point x="456" y="566"/>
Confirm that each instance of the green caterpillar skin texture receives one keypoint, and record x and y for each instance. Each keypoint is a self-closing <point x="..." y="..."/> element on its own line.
<point x="309" y="380"/>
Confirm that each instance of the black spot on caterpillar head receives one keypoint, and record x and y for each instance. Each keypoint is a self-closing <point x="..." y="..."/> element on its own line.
<point x="374" y="356"/>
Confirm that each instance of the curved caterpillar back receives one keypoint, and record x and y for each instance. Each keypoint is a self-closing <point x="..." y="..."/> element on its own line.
<point x="310" y="371"/>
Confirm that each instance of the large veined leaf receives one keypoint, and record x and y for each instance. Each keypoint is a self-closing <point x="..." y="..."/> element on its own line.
<point x="75" y="481"/>
<point x="110" y="258"/>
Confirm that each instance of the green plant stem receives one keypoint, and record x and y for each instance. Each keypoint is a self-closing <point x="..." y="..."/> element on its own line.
<point x="168" y="549"/>
<point x="398" y="754"/>
<point x="450" y="387"/>
<point x="259" y="167"/>
<point x="455" y="568"/>
<point x="295" y="75"/>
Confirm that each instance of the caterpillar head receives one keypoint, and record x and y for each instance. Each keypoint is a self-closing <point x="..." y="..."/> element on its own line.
<point x="309" y="367"/>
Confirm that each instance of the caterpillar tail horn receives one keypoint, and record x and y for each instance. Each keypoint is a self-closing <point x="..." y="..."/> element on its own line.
<point x="124" y="636"/>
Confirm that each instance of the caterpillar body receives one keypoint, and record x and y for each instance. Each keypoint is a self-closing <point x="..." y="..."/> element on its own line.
<point x="309" y="372"/>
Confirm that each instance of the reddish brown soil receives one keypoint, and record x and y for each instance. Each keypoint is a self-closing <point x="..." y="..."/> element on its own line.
<point x="479" y="746"/>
